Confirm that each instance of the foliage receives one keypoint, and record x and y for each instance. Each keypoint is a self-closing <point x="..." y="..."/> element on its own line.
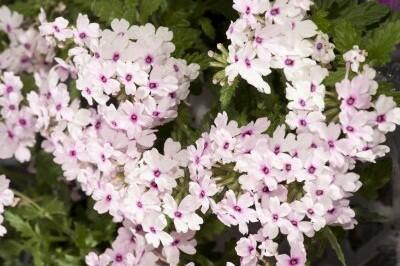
<point x="51" y="228"/>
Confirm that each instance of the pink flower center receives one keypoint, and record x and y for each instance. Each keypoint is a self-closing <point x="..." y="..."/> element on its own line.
<point x="178" y="214"/>
<point x="380" y="118"/>
<point x="237" y="208"/>
<point x="128" y="77"/>
<point x="350" y="101"/>
<point x="274" y="11"/>
<point x="289" y="62"/>
<point x="82" y="35"/>
<point x="293" y="261"/>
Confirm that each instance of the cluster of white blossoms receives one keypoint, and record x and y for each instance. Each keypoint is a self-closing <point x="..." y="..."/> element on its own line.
<point x="6" y="199"/>
<point x="288" y="184"/>
<point x="274" y="35"/>
<point x="27" y="51"/>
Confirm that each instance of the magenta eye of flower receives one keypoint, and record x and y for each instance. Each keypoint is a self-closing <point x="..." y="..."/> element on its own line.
<point x="134" y="117"/>
<point x="302" y="102"/>
<point x="116" y="57"/>
<point x="250" y="249"/>
<point x="56" y="28"/>
<point x="288" y="167"/>
<point x="289" y="62"/>
<point x="109" y="198"/>
<point x="259" y="40"/>
<point x="153" y="184"/>
<point x="139" y="228"/>
<point x="381" y="118"/>
<point x="72" y="153"/>
<point x="293" y="261"/>
<point x="88" y="91"/>
<point x="275" y="217"/>
<point x="139" y="204"/>
<point x="58" y="107"/>
<point x="103" y="157"/>
<point x="310" y="211"/>
<point x="331" y="144"/>
<point x="11" y="107"/>
<point x="313" y="145"/>
<point x="118" y="258"/>
<point x="152" y="229"/>
<point x="148" y="59"/>
<point x="313" y="88"/>
<point x="265" y="170"/>
<point x="226" y="145"/>
<point x="9" y="89"/>
<point x="248" y="10"/>
<point x="265" y="189"/>
<point x="237" y="208"/>
<point x="22" y="122"/>
<point x="178" y="214"/>
<point x="277" y="149"/>
<point x="103" y="78"/>
<point x="82" y="35"/>
<point x="319" y="46"/>
<point x="176" y="68"/>
<point x="247" y="62"/>
<point x="10" y="134"/>
<point x="350" y="100"/>
<point x="97" y="55"/>
<point x="128" y="77"/>
<point x="202" y="194"/>
<point x="97" y="125"/>
<point x="152" y="85"/>
<point x="247" y="133"/>
<point x="175" y="242"/>
<point x="350" y="129"/>
<point x="8" y="28"/>
<point x="236" y="58"/>
<point x="156" y="173"/>
<point x="114" y="123"/>
<point x="172" y="95"/>
<point x="156" y="113"/>
<point x="275" y="11"/>
<point x="311" y="169"/>
<point x="319" y="192"/>
<point x="294" y="223"/>
<point x="303" y="122"/>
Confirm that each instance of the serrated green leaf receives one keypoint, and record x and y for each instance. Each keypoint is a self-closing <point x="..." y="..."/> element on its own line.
<point x="374" y="177"/>
<point x="324" y="4"/>
<point x="207" y="27"/>
<point x="147" y="8"/>
<point x="334" y="244"/>
<point x="381" y="42"/>
<point x="320" y="19"/>
<point x="107" y="10"/>
<point x="335" y="76"/>
<point x="21" y="226"/>
<point x="365" y="14"/>
<point x="345" y="36"/>
<point x="227" y="93"/>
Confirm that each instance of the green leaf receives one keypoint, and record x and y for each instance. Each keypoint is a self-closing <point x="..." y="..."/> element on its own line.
<point x="388" y="89"/>
<point x="335" y="76"/>
<point x="324" y="4"/>
<point x="334" y="244"/>
<point x="345" y="36"/>
<point x="201" y="59"/>
<point x="207" y="27"/>
<point x="365" y="14"/>
<point x="147" y="8"/>
<point x="23" y="227"/>
<point x="227" y="93"/>
<point x="320" y="19"/>
<point x="374" y="177"/>
<point x="107" y="10"/>
<point x="381" y="42"/>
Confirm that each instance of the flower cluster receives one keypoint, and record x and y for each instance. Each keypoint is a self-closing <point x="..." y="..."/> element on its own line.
<point x="286" y="186"/>
<point x="6" y="199"/>
<point x="17" y="123"/>
<point x="27" y="51"/>
<point x="274" y="35"/>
